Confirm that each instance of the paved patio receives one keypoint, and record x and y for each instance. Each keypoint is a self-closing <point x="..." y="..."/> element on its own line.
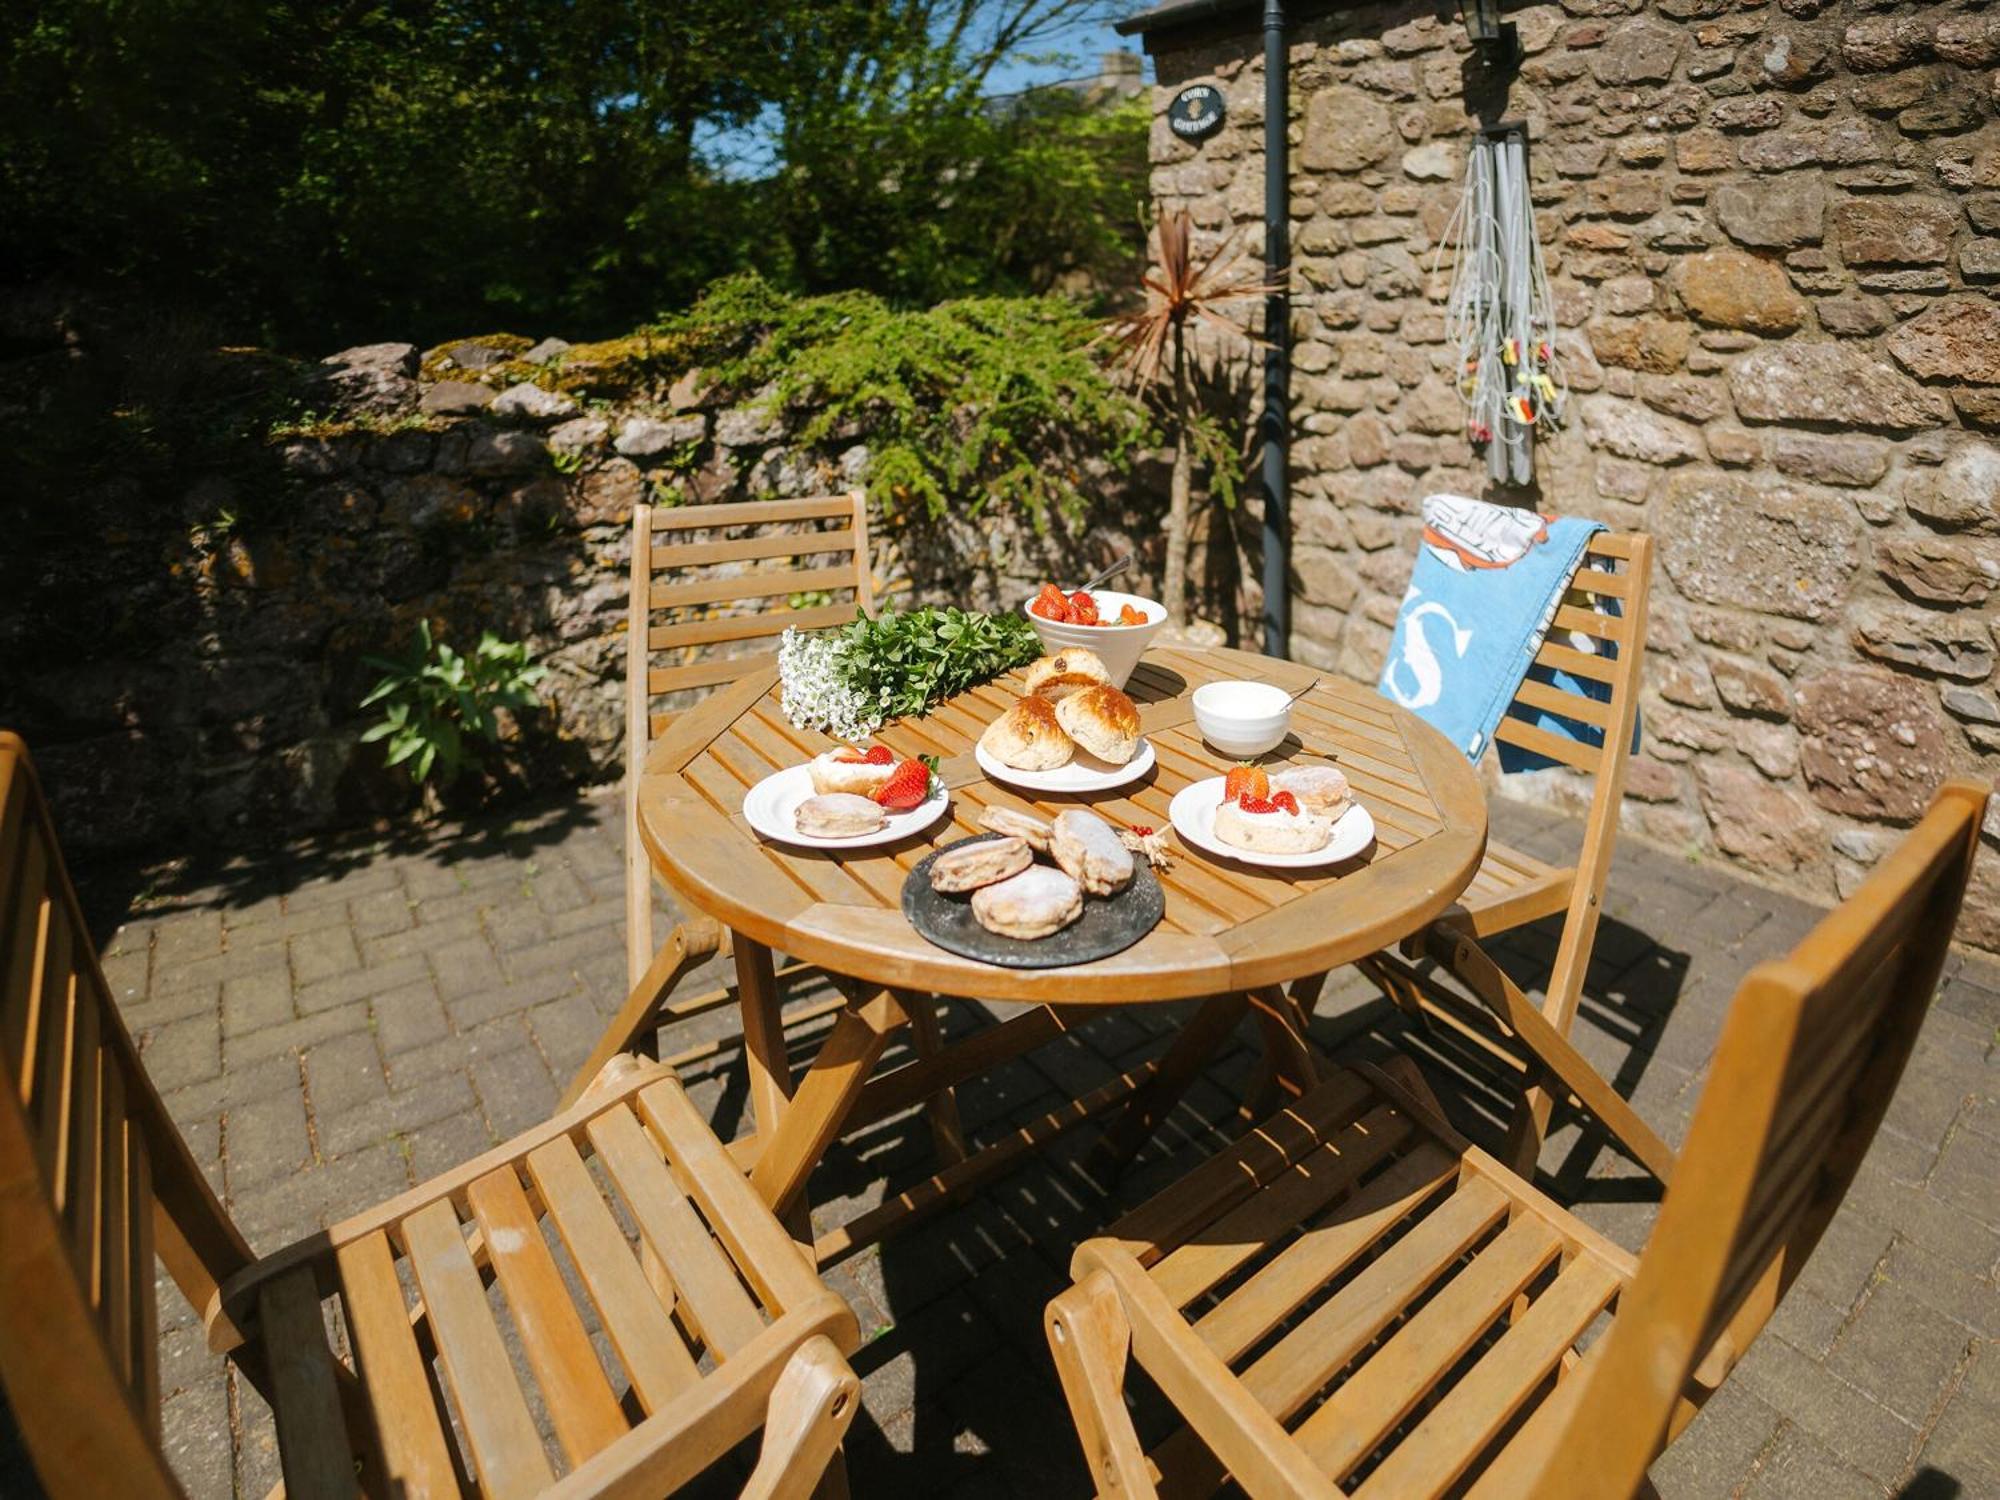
<point x="335" y="1024"/>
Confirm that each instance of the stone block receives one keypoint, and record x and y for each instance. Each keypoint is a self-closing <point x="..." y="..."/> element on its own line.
<point x="1944" y="645"/>
<point x="1731" y="289"/>
<point x="1958" y="340"/>
<point x="456" y="398"/>
<point x="1874" y="745"/>
<point x="1832" y="383"/>
<point x="1939" y="570"/>
<point x="1778" y="549"/>
<point x="1772" y="215"/>
<point x="1631" y="431"/>
<point x="1852" y="461"/>
<point x="1963" y="494"/>
<point x="1758" y="821"/>
<point x="1905" y="230"/>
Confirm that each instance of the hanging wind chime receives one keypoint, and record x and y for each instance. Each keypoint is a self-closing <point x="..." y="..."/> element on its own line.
<point x="1500" y="319"/>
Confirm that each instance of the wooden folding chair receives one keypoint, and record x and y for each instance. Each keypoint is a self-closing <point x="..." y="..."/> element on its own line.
<point x="717" y="1323"/>
<point x="1355" y="1301"/>
<point x="759" y="551"/>
<point x="1512" y="888"/>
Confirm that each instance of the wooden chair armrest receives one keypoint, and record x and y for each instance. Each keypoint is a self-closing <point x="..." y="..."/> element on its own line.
<point x="1455" y="949"/>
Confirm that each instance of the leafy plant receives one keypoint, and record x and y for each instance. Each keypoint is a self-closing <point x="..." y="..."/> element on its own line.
<point x="568" y="460"/>
<point x="437" y="701"/>
<point x="982" y="401"/>
<point x="856" y="678"/>
<point x="1154" y="354"/>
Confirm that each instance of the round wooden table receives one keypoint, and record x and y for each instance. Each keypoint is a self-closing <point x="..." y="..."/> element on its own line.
<point x="1233" y="934"/>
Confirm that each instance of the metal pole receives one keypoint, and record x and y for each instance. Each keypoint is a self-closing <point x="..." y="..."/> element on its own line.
<point x="1276" y="421"/>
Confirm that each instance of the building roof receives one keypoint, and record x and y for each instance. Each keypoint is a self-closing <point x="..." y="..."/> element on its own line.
<point x="1178" y="13"/>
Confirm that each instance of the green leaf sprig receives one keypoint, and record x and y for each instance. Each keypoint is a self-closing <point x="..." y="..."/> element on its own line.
<point x="901" y="662"/>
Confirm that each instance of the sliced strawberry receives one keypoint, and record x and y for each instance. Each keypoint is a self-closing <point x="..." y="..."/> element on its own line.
<point x="1129" y="615"/>
<point x="880" y="755"/>
<point x="906" y="787"/>
<point x="1286" y="801"/>
<point x="1251" y="804"/>
<point x="1245" y="781"/>
<point x="1082" y="609"/>
<point x="874" y="755"/>
<point x="1056" y="608"/>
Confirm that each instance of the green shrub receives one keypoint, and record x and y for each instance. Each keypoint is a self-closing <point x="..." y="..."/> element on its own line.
<point x="436" y="700"/>
<point x="976" y="402"/>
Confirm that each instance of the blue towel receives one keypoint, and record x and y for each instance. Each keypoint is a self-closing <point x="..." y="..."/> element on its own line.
<point x="1487" y="583"/>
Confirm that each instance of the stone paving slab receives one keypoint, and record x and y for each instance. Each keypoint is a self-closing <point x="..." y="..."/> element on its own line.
<point x="336" y="1023"/>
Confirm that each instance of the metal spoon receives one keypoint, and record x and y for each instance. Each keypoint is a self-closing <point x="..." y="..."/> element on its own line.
<point x="1111" y="572"/>
<point x="1301" y="692"/>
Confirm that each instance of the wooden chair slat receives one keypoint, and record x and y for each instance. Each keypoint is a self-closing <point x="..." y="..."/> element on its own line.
<point x="416" y="1453"/>
<point x="49" y="1096"/>
<point x="704" y="673"/>
<point x="313" y="1447"/>
<point x="23" y="905"/>
<point x="711" y="1296"/>
<point x="1448" y="1441"/>
<point x="767" y="1257"/>
<point x="723" y="628"/>
<point x="1577" y="663"/>
<point x="652" y="1352"/>
<point x="1572" y="753"/>
<point x="751" y="548"/>
<point x="581" y="1405"/>
<point x="1324" y="1251"/>
<point x="117" y="1285"/>
<point x="1602" y="581"/>
<point x="1347" y="1427"/>
<point x="506" y="1449"/>
<point x="1235" y="1238"/>
<point x="1287" y="1375"/>
<point x="749" y="513"/>
<point x="1591" y="711"/>
<point x="751" y="586"/>
<point x="141" y="1212"/>
<point x="84" y="1191"/>
<point x="1594" y="624"/>
<point x="1611" y="544"/>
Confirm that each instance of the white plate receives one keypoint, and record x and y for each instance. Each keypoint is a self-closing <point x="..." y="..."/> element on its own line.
<point x="1192" y="813"/>
<point x="769" y="805"/>
<point x="1084" y="773"/>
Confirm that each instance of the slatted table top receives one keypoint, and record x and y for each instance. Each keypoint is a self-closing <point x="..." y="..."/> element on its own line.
<point x="1228" y="925"/>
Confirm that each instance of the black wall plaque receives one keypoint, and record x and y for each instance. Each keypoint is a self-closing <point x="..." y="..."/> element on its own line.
<point x="1196" y="112"/>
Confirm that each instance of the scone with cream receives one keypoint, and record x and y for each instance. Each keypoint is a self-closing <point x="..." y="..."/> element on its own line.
<point x="1319" y="789"/>
<point x="1033" y="904"/>
<point x="838" y="815"/>
<point x="1028" y="828"/>
<point x="1070" y="670"/>
<point x="1278" y="827"/>
<point x="972" y="865"/>
<point x="1028" y="738"/>
<point x="845" y="769"/>
<point x="1090" y="852"/>
<point x="1102" y="721"/>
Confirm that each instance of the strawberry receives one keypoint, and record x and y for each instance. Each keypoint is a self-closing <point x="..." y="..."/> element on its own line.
<point x="1286" y="801"/>
<point x="1050" y="604"/>
<point x="1082" y="609"/>
<point x="1128" y="615"/>
<point x="907" y="787"/>
<point x="1245" y="781"/>
<point x="876" y="755"/>
<point x="1252" y="804"/>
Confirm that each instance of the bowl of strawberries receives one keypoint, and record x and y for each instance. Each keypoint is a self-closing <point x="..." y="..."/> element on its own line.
<point x="1117" y="627"/>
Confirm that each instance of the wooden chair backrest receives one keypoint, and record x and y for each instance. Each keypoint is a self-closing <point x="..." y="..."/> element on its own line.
<point x="1810" y="1054"/>
<point x="687" y="595"/>
<point x="1617" y="568"/>
<point x="94" y="1181"/>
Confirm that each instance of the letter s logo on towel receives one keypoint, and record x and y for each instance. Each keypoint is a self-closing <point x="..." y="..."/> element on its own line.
<point x="1421" y="661"/>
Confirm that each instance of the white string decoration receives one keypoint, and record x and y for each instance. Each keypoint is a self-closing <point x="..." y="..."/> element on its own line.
<point x="1500" y="318"/>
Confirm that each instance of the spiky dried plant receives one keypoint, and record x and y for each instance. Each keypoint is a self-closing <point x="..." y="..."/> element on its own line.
<point x="1153" y="352"/>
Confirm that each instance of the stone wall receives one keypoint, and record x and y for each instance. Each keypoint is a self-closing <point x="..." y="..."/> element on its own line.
<point x="1773" y="232"/>
<point x="188" y="662"/>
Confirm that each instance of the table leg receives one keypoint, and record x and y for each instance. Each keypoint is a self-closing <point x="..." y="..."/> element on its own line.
<point x="1185" y="1057"/>
<point x="941" y="1108"/>
<point x="813" y="1118"/>
<point x="1288" y="1051"/>
<point x="764" y="1054"/>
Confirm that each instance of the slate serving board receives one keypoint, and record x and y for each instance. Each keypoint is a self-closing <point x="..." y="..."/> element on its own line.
<point x="1109" y="924"/>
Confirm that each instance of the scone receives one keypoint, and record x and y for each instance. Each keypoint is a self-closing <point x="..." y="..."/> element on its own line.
<point x="838" y="815"/>
<point x="1032" y="904"/>
<point x="1103" y="721"/>
<point x="1278" y="831"/>
<point x="1090" y="853"/>
<point x="845" y="770"/>
<point x="970" y="866"/>
<point x="1319" y="789"/>
<point x="1069" y="671"/>
<point x="1028" y="738"/>
<point x="1026" y="827"/>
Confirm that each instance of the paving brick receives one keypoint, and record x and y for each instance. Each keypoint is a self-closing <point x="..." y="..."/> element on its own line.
<point x="428" y="933"/>
<point x="444" y="1097"/>
<point x="344" y="1073"/>
<point x="194" y="1433"/>
<point x="567" y="1029"/>
<point x="465" y="967"/>
<point x="558" y="890"/>
<point x="183" y="1052"/>
<point x="1964" y="1443"/>
<point x="358" y="983"/>
<point x="1860" y="1431"/>
<point x="323" y="954"/>
<point x="445" y="1144"/>
<point x="1798" y="1466"/>
<point x="382" y="913"/>
<point x="293" y="1036"/>
<point x="1967" y="1176"/>
<point x="187" y="936"/>
<point x="127" y="974"/>
<point x="1900" y="1351"/>
<point x="266" y="1138"/>
<point x="409" y="1017"/>
<point x="516" y="1090"/>
<point x="1713" y="1456"/>
<point x="253" y="1001"/>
